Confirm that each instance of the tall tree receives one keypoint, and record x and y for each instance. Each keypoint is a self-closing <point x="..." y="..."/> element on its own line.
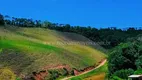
<point x="7" y="19"/>
<point x="1" y="19"/>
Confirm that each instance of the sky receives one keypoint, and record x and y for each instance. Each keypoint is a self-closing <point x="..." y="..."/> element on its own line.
<point x="94" y="13"/>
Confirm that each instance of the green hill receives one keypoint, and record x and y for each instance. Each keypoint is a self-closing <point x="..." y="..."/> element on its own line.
<point x="25" y="50"/>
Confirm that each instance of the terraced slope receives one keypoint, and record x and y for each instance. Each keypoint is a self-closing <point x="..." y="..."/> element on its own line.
<point x="25" y="50"/>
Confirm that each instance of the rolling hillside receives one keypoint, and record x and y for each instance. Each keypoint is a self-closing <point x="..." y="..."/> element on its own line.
<point x="25" y="50"/>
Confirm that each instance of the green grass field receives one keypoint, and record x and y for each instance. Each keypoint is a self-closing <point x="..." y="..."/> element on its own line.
<point x="25" y="50"/>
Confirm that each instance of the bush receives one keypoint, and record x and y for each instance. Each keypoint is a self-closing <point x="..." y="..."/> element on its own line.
<point x="124" y="73"/>
<point x="65" y="73"/>
<point x="139" y="62"/>
<point x="18" y="78"/>
<point x="138" y="72"/>
<point x="7" y="74"/>
<point x="115" y="78"/>
<point x="72" y="72"/>
<point x="53" y="74"/>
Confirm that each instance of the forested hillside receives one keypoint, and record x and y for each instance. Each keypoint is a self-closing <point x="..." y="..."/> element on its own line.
<point x="126" y="59"/>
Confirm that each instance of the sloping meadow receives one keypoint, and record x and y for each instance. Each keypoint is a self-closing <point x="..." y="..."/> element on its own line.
<point x="25" y="50"/>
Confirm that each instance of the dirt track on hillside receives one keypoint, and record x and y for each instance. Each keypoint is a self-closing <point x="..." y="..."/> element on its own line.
<point x="101" y="64"/>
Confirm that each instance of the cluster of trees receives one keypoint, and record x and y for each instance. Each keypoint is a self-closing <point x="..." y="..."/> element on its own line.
<point x="21" y="22"/>
<point x="125" y="60"/>
<point x="112" y="35"/>
<point x="1" y="20"/>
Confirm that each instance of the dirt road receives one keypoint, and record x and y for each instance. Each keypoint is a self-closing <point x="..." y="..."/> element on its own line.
<point x="101" y="64"/>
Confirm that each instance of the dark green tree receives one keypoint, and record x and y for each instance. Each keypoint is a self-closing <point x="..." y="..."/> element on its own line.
<point x="1" y="19"/>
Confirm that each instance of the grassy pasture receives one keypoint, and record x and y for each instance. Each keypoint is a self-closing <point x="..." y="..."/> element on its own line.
<point x="30" y="49"/>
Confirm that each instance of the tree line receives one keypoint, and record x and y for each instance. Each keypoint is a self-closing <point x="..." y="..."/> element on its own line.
<point x="21" y="22"/>
<point x="112" y="35"/>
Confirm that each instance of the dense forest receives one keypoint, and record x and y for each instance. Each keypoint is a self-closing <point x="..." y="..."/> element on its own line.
<point x="126" y="59"/>
<point x="110" y="35"/>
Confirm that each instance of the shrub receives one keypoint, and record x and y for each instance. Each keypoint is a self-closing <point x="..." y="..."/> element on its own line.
<point x="124" y="73"/>
<point x="138" y="72"/>
<point x="65" y="73"/>
<point x="139" y="62"/>
<point x="18" y="78"/>
<point x="53" y="74"/>
<point x="72" y="72"/>
<point x="115" y="78"/>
